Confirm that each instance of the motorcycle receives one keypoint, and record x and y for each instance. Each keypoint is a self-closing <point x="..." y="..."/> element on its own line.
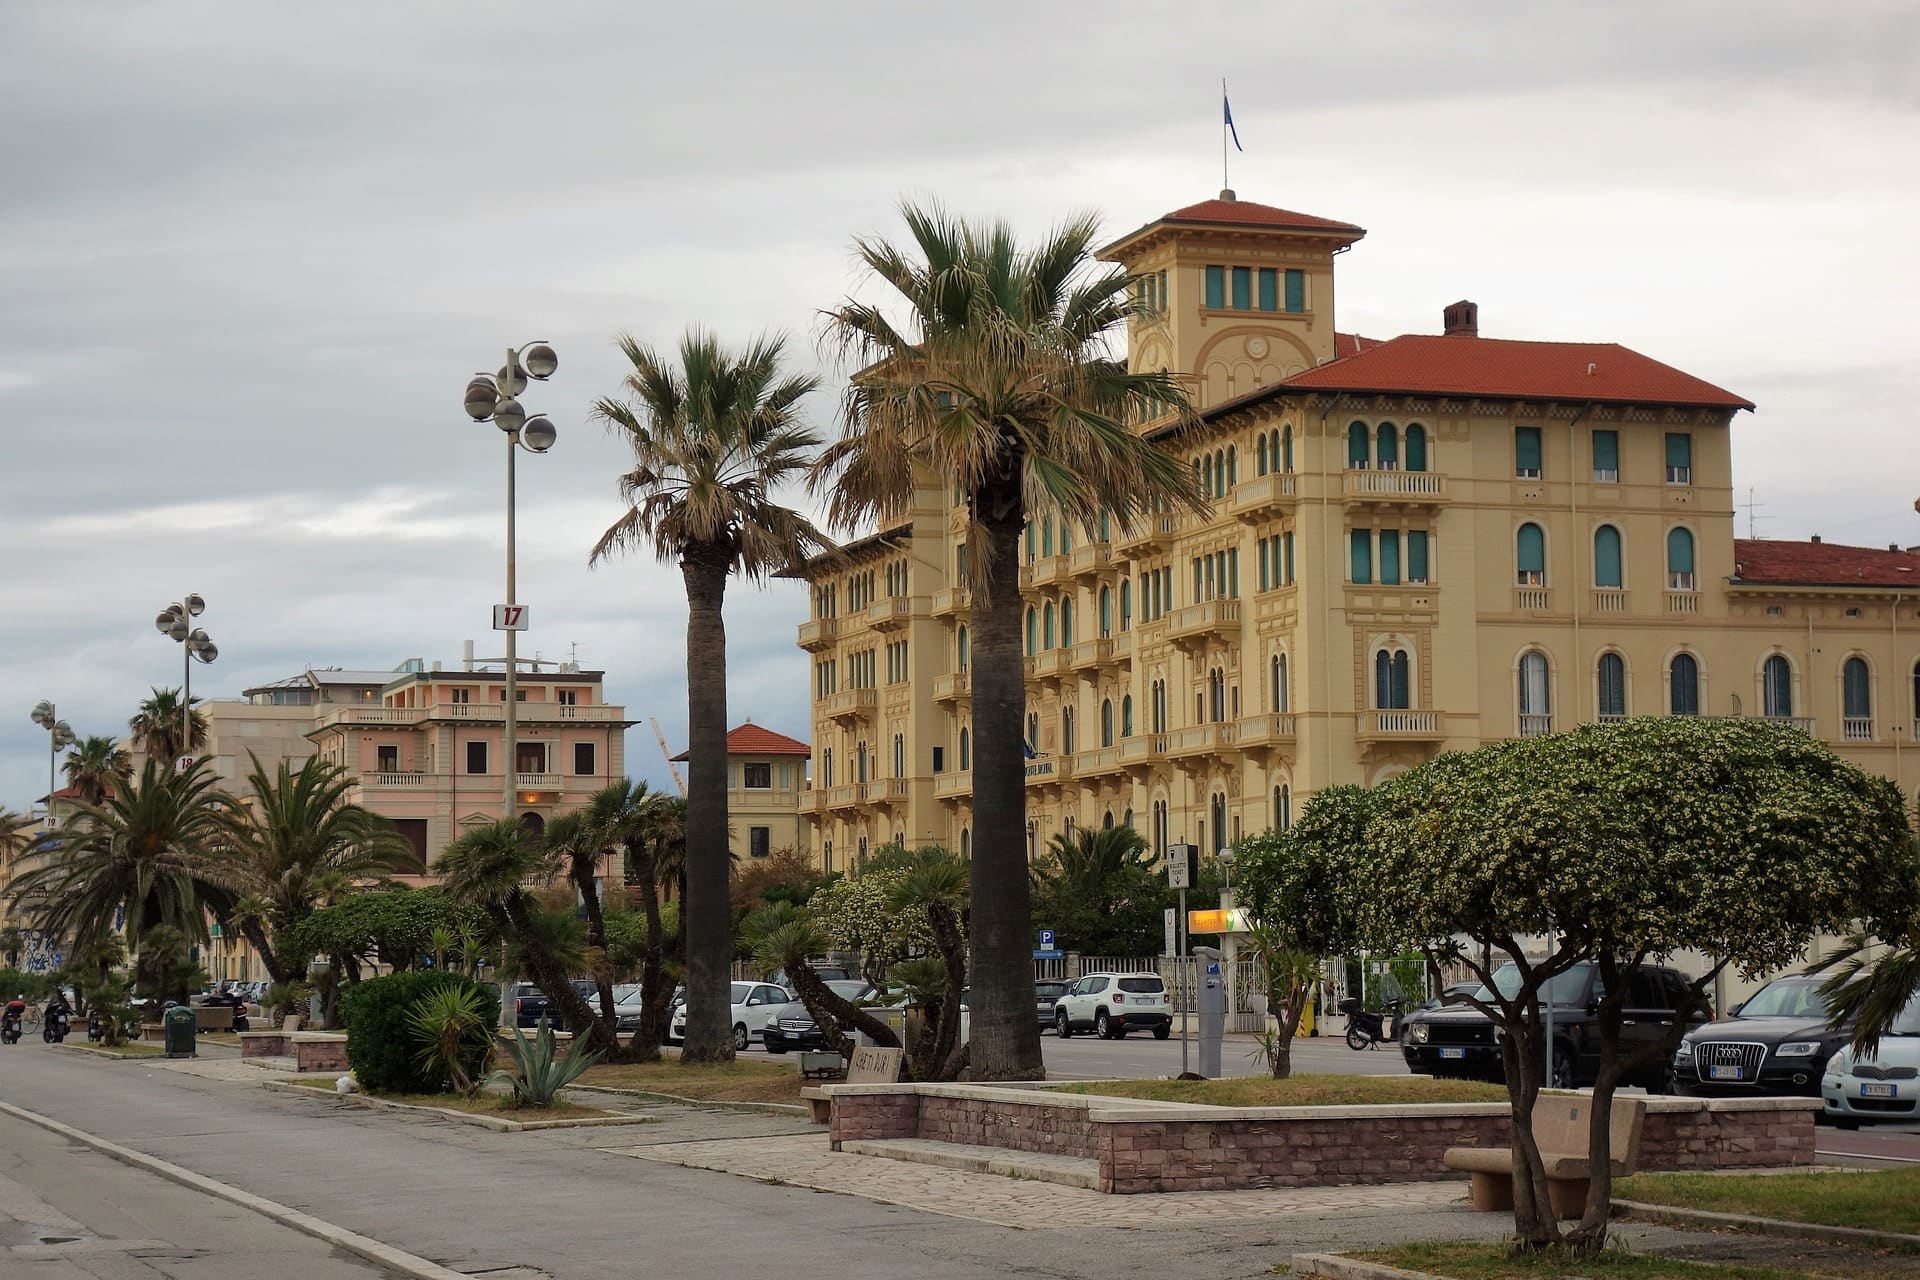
<point x="96" y="1026"/>
<point x="10" y="1027"/>
<point x="58" y="1022"/>
<point x="1371" y="1030"/>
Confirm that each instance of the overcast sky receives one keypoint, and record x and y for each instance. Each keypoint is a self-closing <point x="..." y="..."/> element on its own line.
<point x="249" y="255"/>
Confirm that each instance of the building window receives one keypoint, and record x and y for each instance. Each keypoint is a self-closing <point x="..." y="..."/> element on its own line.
<point x="1856" y="700"/>
<point x="1386" y="452"/>
<point x="1066" y="623"/>
<point x="1126" y="710"/>
<point x="1242" y="289"/>
<point x="1106" y="613"/>
<point x="1033" y="632"/>
<point x="1606" y="557"/>
<point x="965" y="653"/>
<point x="1683" y="685"/>
<point x="1536" y="708"/>
<point x="1362" y="557"/>
<point x="1526" y="452"/>
<point x="1269" y="289"/>
<point x="1046" y="626"/>
<point x="1613" y="687"/>
<point x="1776" y="687"/>
<point x="1106" y="722"/>
<point x="568" y="697"/>
<point x="759" y="841"/>
<point x="1392" y="689"/>
<point x="1606" y="457"/>
<point x="1282" y="807"/>
<point x="966" y="844"/>
<point x="461" y="695"/>
<point x="476" y="757"/>
<point x="1286" y="549"/>
<point x="1219" y="811"/>
<point x="1416" y="447"/>
<point x="1296" y="290"/>
<point x="583" y="760"/>
<point x="1390" y="556"/>
<point x="899" y="755"/>
<point x="1286" y="449"/>
<point x="966" y="750"/>
<point x="1033" y="734"/>
<point x="757" y="775"/>
<point x="389" y="759"/>
<point x="1066" y="732"/>
<point x="1679" y="457"/>
<point x="1679" y="560"/>
<point x="1216" y="288"/>
<point x="530" y="757"/>
<point x="1357" y="446"/>
<point x="1416" y="555"/>
<point x="1278" y="672"/>
<point x="1159" y="709"/>
<point x="1530" y="556"/>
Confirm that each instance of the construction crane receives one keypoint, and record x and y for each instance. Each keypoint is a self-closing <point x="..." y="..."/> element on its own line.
<point x="672" y="768"/>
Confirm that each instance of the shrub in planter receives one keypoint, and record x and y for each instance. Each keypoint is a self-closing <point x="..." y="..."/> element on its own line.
<point x="384" y="1050"/>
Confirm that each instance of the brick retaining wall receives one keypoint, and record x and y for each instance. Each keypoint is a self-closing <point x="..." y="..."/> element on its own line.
<point x="319" y="1051"/>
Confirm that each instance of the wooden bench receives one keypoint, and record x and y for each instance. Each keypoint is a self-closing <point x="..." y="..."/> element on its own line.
<point x="1561" y="1130"/>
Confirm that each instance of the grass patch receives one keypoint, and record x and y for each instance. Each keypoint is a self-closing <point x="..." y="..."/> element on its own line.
<point x="485" y="1104"/>
<point x="1299" y="1091"/>
<point x="126" y="1049"/>
<point x="1884" y="1200"/>
<point x="1475" y="1261"/>
<point x="735" y="1081"/>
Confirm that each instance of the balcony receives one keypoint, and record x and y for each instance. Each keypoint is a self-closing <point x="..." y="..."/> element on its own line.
<point x="386" y="781"/>
<point x="1048" y="664"/>
<point x="1531" y="599"/>
<point x="1683" y="602"/>
<point x="1088" y="764"/>
<point x="1402" y="726"/>
<point x="948" y="601"/>
<point x="1088" y="561"/>
<point x="1050" y="771"/>
<point x="1256" y="499"/>
<point x="1091" y="655"/>
<point x="1044" y="571"/>
<point x="527" y="713"/>
<point x="1204" y="739"/>
<point x="1393" y="488"/>
<point x="890" y="614"/>
<point x="841" y="797"/>
<point x="1803" y="723"/>
<point x="538" y="782"/>
<point x="951" y="687"/>
<point x="1535" y="726"/>
<point x="1269" y="730"/>
<point x="851" y="704"/>
<point x="1609" y="600"/>
<point x="819" y="634"/>
<point x="950" y="786"/>
<point x="1152" y="533"/>
<point x="385" y="715"/>
<point x="809" y="802"/>
<point x="1199" y="621"/>
<point x="1143" y="750"/>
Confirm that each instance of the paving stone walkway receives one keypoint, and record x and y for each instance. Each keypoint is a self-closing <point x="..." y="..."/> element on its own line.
<point x="804" y="1160"/>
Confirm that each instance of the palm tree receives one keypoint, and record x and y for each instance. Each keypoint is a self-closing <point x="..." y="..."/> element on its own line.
<point x="1087" y="862"/>
<point x="1001" y="387"/>
<point x="490" y="866"/>
<point x="297" y="844"/>
<point x="713" y="442"/>
<point x="147" y="856"/>
<point x="92" y="766"/>
<point x="158" y="726"/>
<point x="648" y="827"/>
<point x="578" y="845"/>
<point x="14" y="837"/>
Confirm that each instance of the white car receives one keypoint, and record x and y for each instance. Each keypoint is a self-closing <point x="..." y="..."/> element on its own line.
<point x="1881" y="1087"/>
<point x="755" y="1005"/>
<point x="1112" y="1004"/>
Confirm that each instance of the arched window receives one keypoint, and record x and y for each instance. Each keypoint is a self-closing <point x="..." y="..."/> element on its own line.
<point x="966" y="749"/>
<point x="1106" y="820"/>
<point x="1106" y="722"/>
<point x="1683" y="685"/>
<point x="826" y="767"/>
<point x="1392" y="689"/>
<point x="1776" y="687"/>
<point x="1159" y="709"/>
<point x="1033" y="632"/>
<point x="1357" y="446"/>
<point x="1126" y="714"/>
<point x="1126" y="819"/>
<point x="1613" y="687"/>
<point x="1126" y="603"/>
<point x="1106" y="613"/>
<point x="1416" y="447"/>
<point x="1536" y="708"/>
<point x="1216" y="696"/>
<point x="1277" y="672"/>
<point x="1286" y="448"/>
<point x="1106" y="525"/>
<point x="1046" y="626"/>
<point x="1530" y="556"/>
<point x="1033" y="733"/>
<point x="1282" y="807"/>
<point x="860" y="762"/>
<point x="1260" y="454"/>
<point x="1606" y="557"/>
<point x="1233" y="466"/>
<point x="1386" y="451"/>
<point x="1066" y="537"/>
<point x="1046" y="536"/>
<point x="899" y="756"/>
<point x="966" y="843"/>
<point x="1219" y="811"/>
<point x="1856" y="700"/>
<point x="1679" y="560"/>
<point x="1066" y="623"/>
<point x="1066" y="731"/>
<point x="964" y="651"/>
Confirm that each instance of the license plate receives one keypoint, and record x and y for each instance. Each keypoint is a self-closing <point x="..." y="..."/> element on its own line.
<point x="1723" y="1073"/>
<point x="1453" y="1053"/>
<point x="1877" y="1091"/>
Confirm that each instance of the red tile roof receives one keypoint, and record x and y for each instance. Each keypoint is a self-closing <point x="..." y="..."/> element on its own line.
<point x="1245" y="213"/>
<point x="751" y="739"/>
<point x="1352" y="344"/>
<point x="1462" y="365"/>
<point x="1765" y="562"/>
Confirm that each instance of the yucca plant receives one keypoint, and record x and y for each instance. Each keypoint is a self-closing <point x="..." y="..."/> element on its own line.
<point x="539" y="1073"/>
<point x="452" y="1025"/>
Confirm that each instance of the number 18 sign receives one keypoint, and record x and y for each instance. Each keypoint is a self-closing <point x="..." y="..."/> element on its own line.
<point x="509" y="617"/>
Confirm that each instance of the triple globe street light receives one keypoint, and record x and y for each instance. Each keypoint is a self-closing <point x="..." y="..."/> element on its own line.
<point x="176" y="623"/>
<point x="47" y="716"/>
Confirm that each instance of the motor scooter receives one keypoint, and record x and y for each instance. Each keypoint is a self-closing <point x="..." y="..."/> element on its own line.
<point x="54" y="1029"/>
<point x="10" y="1024"/>
<point x="1371" y="1030"/>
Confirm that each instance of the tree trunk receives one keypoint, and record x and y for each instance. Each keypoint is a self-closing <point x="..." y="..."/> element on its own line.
<point x="1005" y="1043"/>
<point x="597" y="937"/>
<point x="552" y="979"/>
<point x="655" y="1003"/>
<point x="707" y="914"/>
<point x="833" y="1013"/>
<point x="1287" y="1018"/>
<point x="1534" y="1225"/>
<point x="257" y="938"/>
<point x="941" y="1059"/>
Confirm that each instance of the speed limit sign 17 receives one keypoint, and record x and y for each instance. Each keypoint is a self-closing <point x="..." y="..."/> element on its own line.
<point x="509" y="617"/>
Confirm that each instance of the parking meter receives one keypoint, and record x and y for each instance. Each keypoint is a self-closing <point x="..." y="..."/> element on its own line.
<point x="1212" y="1007"/>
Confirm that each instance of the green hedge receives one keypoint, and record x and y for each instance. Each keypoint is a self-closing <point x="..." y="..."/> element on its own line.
<point x="382" y="1051"/>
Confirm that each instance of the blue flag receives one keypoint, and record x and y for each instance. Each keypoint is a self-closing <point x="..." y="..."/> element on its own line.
<point x="1227" y="107"/>
<point x="1026" y="749"/>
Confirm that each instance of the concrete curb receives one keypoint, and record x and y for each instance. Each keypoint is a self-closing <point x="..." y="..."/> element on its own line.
<point x="495" y="1123"/>
<point x="94" y="1051"/>
<point x="1332" y="1264"/>
<point x="783" y="1108"/>
<point x="374" y="1251"/>
<point x="1674" y="1216"/>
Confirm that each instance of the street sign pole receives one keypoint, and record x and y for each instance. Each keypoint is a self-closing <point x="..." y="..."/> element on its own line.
<point x="1179" y="875"/>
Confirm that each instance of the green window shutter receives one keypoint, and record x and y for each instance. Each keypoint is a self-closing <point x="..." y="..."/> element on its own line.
<point x="1606" y="453"/>
<point x="1416" y="555"/>
<point x="1390" y="556"/>
<point x="1288" y="543"/>
<point x="1357" y="446"/>
<point x="1613" y="685"/>
<point x="1216" y="288"/>
<point x="1362" y="556"/>
<point x="1264" y="558"/>
<point x="1269" y="289"/>
<point x="1030" y="538"/>
<point x="1286" y="449"/>
<point x="1683" y="685"/>
<point x="1197" y="597"/>
<point x="1526" y="451"/>
<point x="1296" y="290"/>
<point x="1679" y="551"/>
<point x="1679" y="449"/>
<point x="1242" y="289"/>
<point x="1233" y="573"/>
<point x="1387" y="447"/>
<point x="1606" y="557"/>
<point x="1416" y="447"/>
<point x="1046" y="536"/>
<point x="1531" y="549"/>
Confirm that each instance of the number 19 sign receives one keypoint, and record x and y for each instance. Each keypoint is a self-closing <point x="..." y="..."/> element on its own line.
<point x="509" y="617"/>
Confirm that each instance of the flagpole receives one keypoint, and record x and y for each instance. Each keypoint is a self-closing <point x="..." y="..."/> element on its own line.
<point x="1226" y="182"/>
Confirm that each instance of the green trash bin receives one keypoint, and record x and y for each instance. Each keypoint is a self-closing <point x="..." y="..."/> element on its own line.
<point x="180" y="1026"/>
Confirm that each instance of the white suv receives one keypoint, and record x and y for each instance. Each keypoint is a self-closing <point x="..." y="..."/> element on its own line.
<point x="1112" y="1004"/>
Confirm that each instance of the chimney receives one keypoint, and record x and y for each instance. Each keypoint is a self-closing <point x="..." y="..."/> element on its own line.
<point x="436" y="664"/>
<point x="466" y="655"/>
<point x="1815" y="539"/>
<point x="1462" y="319"/>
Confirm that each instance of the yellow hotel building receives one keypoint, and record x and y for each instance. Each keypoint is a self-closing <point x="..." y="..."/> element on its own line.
<point x="1416" y="545"/>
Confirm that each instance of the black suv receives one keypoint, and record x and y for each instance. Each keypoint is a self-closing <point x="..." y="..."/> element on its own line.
<point x="1777" y="1042"/>
<point x="1458" y="1040"/>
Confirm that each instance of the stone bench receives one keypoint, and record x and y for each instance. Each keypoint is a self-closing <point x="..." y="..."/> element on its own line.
<point x="264" y="1044"/>
<point x="318" y="1050"/>
<point x="1562" y="1128"/>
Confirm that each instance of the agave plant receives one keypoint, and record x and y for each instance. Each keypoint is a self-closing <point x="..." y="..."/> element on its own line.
<point x="539" y="1073"/>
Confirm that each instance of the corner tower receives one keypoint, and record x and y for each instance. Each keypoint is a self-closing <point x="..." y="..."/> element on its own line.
<point x="1240" y="295"/>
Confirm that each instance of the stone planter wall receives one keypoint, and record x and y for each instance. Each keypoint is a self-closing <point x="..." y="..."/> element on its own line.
<point x="318" y="1051"/>
<point x="264" y="1044"/>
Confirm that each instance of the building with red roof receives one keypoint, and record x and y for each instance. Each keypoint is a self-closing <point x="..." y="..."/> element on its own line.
<point x="766" y="780"/>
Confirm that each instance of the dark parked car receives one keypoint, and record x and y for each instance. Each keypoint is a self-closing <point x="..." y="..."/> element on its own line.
<point x="1778" y="1042"/>
<point x="1045" y="996"/>
<point x="796" y="1029"/>
<point x="1458" y="1040"/>
<point x="530" y="1004"/>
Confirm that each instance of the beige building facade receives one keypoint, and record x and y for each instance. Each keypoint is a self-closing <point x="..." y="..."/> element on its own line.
<point x="1415" y="545"/>
<point x="766" y="778"/>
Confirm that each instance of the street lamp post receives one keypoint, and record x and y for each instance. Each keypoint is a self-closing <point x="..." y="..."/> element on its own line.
<point x="176" y="623"/>
<point x="60" y="734"/>
<point x="492" y="397"/>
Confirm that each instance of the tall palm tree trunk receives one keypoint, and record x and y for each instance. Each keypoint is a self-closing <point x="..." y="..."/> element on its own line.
<point x="707" y="914"/>
<point x="597" y="937"/>
<point x="256" y="936"/>
<point x="1005" y="1042"/>
<point x="654" y="991"/>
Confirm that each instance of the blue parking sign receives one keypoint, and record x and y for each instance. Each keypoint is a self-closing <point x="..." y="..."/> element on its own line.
<point x="1046" y="940"/>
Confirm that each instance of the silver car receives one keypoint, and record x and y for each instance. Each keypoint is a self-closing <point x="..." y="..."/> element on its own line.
<point x="1879" y="1088"/>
